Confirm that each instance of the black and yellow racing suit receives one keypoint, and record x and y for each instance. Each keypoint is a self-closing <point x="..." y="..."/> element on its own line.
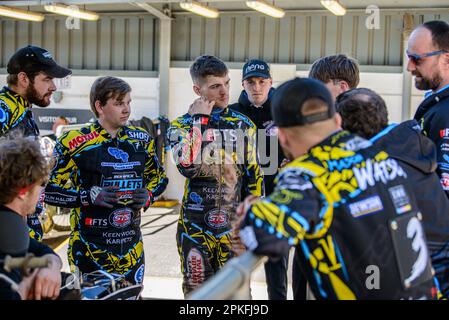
<point x="219" y="163"/>
<point x="16" y="120"/>
<point x="103" y="238"/>
<point x="349" y="210"/>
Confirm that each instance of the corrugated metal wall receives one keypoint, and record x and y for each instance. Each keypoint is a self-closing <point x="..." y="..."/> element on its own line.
<point x="297" y="38"/>
<point x="130" y="42"/>
<point x="112" y="43"/>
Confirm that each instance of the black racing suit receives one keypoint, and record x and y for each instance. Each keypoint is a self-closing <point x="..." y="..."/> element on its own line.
<point x="16" y="120"/>
<point x="103" y="238"/>
<point x="268" y="149"/>
<point x="218" y="162"/>
<point x="417" y="154"/>
<point x="349" y="209"/>
<point x="433" y="116"/>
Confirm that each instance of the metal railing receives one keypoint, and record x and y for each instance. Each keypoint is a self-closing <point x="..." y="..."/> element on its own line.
<point x="232" y="282"/>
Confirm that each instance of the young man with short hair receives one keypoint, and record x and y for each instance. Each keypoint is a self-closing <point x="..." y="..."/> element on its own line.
<point x="338" y="72"/>
<point x="23" y="174"/>
<point x="114" y="173"/>
<point x="214" y="147"/>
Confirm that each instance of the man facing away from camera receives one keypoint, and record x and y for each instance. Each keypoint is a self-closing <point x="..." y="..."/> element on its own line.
<point x="365" y="113"/>
<point x="346" y="205"/>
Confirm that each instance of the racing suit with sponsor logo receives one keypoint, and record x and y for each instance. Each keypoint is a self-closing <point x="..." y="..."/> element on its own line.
<point x="103" y="238"/>
<point x="217" y="154"/>
<point x="16" y="120"/>
<point x="349" y="209"/>
<point x="417" y="153"/>
<point x="433" y="116"/>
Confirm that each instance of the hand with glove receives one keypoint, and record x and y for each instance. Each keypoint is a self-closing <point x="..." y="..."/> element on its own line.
<point x="98" y="196"/>
<point x="142" y="198"/>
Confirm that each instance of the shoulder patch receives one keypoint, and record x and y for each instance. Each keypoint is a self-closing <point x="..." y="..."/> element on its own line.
<point x="3" y="113"/>
<point x="242" y="117"/>
<point x="74" y="138"/>
<point x="293" y="179"/>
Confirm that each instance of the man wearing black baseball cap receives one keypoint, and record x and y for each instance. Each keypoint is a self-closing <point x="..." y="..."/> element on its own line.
<point x="255" y="103"/>
<point x="30" y="81"/>
<point x="346" y="206"/>
<point x="31" y="71"/>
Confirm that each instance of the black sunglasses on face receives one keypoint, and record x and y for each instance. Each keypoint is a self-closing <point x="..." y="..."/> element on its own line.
<point x="416" y="58"/>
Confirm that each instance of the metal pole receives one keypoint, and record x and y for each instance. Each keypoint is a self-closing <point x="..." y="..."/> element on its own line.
<point x="164" y="65"/>
<point x="231" y="282"/>
<point x="406" y="76"/>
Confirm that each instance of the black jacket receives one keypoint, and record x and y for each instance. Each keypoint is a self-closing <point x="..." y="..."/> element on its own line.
<point x="417" y="154"/>
<point x="262" y="118"/>
<point x="347" y="206"/>
<point x="433" y="117"/>
<point x="16" y="247"/>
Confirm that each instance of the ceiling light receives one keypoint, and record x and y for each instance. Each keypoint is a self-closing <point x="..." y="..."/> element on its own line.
<point x="266" y="8"/>
<point x="72" y="11"/>
<point x="200" y="9"/>
<point x="21" y="14"/>
<point x="334" y="6"/>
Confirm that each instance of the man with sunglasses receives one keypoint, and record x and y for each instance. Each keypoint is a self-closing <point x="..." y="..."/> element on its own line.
<point x="428" y="53"/>
<point x="31" y="71"/>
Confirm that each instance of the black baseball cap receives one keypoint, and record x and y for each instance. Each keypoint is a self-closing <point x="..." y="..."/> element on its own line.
<point x="289" y="98"/>
<point x="255" y="68"/>
<point x="32" y="59"/>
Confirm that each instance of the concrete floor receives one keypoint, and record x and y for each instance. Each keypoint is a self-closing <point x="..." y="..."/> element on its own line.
<point x="163" y="277"/>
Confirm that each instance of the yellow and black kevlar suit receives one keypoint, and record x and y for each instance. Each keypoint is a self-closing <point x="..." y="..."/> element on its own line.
<point x="217" y="154"/>
<point x="16" y="120"/>
<point x="351" y="213"/>
<point x="103" y="238"/>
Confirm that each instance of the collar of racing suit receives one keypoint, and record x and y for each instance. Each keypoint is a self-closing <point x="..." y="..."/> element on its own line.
<point x="429" y="102"/>
<point x="102" y="131"/>
<point x="17" y="97"/>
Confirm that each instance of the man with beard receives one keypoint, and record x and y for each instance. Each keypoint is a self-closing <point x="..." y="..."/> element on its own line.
<point x="31" y="71"/>
<point x="428" y="53"/>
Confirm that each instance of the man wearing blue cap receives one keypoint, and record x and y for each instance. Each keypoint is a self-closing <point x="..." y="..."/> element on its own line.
<point x="31" y="71"/>
<point x="255" y="103"/>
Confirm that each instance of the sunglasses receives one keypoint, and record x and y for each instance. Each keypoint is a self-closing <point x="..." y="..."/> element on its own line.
<point x="416" y="58"/>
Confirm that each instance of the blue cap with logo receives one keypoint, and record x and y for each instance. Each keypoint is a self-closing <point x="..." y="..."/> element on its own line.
<point x="256" y="68"/>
